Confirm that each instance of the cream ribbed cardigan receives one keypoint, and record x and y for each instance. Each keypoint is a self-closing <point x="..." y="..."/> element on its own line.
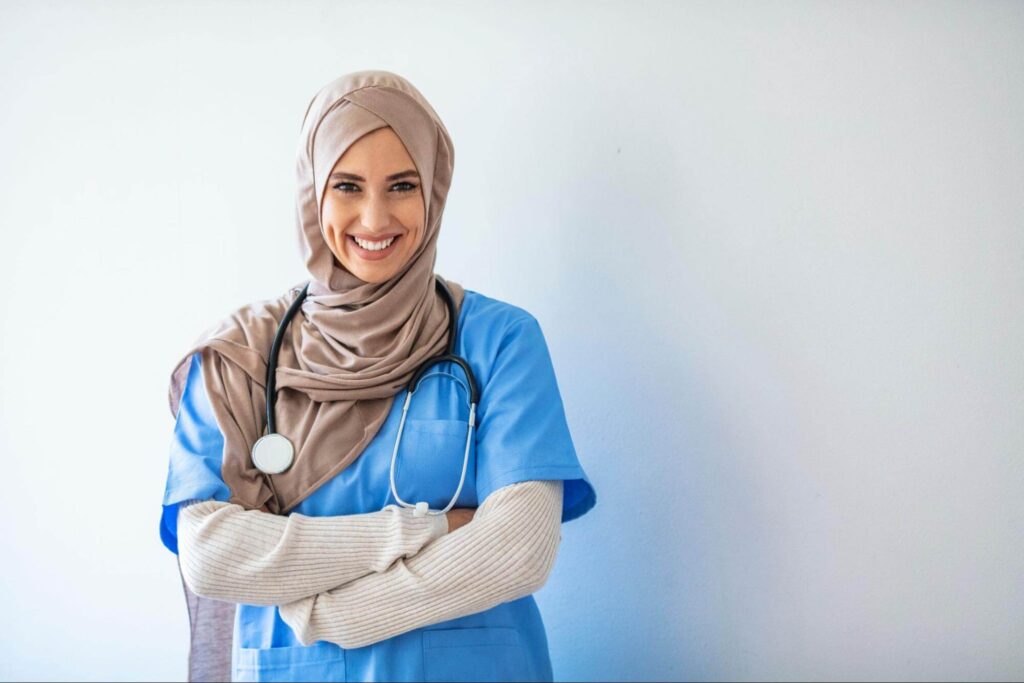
<point x="358" y="579"/>
<point x="259" y="558"/>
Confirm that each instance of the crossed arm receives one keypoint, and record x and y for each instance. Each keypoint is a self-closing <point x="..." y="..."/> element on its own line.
<point x="506" y="552"/>
<point x="358" y="579"/>
<point x="259" y="558"/>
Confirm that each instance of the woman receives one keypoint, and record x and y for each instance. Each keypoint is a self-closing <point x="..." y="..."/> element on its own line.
<point x="334" y="578"/>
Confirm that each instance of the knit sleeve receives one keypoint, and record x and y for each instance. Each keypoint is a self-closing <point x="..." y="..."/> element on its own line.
<point x="259" y="558"/>
<point x="505" y="552"/>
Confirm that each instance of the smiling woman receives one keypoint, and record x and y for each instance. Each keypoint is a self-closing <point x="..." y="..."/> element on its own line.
<point x="336" y="576"/>
<point x="373" y="211"/>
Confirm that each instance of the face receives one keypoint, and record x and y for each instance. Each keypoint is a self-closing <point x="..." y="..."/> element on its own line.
<point x="373" y="207"/>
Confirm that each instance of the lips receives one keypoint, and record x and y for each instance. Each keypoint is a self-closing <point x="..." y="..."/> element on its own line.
<point x="369" y="255"/>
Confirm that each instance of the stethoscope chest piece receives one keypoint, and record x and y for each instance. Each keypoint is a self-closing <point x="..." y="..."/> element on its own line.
<point x="272" y="453"/>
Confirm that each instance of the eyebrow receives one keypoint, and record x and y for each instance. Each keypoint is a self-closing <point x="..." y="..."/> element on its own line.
<point x="394" y="176"/>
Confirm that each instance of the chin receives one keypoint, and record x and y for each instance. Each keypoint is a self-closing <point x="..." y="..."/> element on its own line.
<point x="373" y="275"/>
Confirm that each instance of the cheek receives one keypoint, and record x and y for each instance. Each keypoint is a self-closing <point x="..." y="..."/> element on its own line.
<point x="331" y="220"/>
<point x="412" y="217"/>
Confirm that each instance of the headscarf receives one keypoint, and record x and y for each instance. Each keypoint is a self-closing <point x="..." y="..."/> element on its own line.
<point x="353" y="345"/>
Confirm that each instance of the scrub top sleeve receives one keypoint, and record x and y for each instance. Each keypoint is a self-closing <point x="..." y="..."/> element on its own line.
<point x="196" y="452"/>
<point x="522" y="432"/>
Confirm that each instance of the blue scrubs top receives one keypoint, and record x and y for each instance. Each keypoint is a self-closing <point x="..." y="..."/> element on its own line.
<point x="521" y="434"/>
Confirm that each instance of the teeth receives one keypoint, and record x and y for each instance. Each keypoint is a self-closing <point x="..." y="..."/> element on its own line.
<point x="373" y="246"/>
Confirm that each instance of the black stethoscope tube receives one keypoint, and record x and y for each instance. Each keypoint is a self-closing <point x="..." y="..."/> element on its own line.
<point x="272" y="361"/>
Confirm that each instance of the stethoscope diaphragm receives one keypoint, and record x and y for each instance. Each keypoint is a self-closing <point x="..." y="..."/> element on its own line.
<point x="273" y="453"/>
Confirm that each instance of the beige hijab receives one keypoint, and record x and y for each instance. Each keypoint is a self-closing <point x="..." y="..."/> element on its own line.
<point x="353" y="345"/>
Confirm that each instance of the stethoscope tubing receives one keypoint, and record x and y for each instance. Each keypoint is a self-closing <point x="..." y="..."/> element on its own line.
<point x="275" y="348"/>
<point x="271" y="438"/>
<point x="421" y="509"/>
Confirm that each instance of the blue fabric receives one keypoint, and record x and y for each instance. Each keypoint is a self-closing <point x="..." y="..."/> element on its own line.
<point x="522" y="431"/>
<point x="196" y="452"/>
<point x="521" y="434"/>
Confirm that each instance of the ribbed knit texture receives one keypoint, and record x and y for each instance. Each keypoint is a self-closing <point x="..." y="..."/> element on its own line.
<point x="505" y="553"/>
<point x="259" y="558"/>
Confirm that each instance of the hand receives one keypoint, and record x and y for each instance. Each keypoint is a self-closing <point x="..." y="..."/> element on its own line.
<point x="458" y="517"/>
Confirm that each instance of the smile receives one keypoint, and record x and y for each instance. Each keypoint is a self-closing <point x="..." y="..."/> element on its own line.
<point x="373" y="251"/>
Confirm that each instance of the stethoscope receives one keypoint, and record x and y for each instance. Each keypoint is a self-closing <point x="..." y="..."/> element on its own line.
<point x="273" y="453"/>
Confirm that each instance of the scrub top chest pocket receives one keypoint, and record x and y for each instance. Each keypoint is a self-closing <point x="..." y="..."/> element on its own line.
<point x="429" y="463"/>
<point x="433" y="444"/>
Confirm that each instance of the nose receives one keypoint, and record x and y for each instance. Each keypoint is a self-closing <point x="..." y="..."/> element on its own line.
<point x="374" y="214"/>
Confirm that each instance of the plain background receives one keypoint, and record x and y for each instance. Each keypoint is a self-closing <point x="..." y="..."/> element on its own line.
<point x="777" y="250"/>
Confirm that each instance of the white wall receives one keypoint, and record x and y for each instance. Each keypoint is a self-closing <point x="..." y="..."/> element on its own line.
<point x="776" y="248"/>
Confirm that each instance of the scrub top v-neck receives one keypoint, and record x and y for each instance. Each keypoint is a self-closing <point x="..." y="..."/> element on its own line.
<point x="521" y="435"/>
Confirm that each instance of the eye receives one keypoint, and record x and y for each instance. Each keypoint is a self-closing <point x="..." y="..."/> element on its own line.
<point x="344" y="187"/>
<point x="404" y="186"/>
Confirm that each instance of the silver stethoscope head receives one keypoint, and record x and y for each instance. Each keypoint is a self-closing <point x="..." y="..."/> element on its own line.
<point x="273" y="453"/>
